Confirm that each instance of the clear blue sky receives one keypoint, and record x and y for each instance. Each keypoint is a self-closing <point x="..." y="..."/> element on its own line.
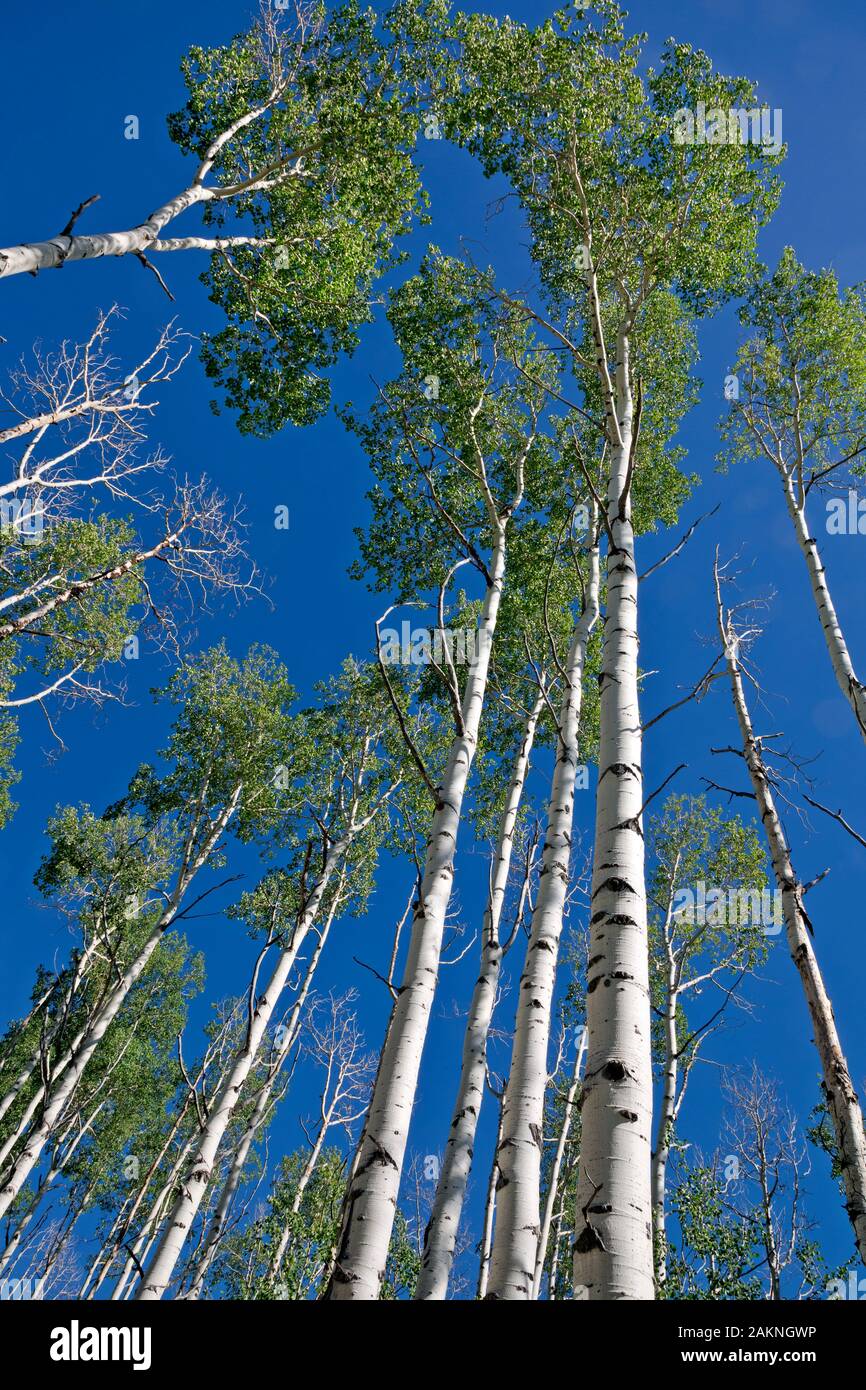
<point x="71" y="76"/>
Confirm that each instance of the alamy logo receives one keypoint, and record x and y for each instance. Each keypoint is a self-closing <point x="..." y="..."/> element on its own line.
<point x="77" y="1343"/>
<point x="736" y="126"/>
<point x="21" y="1290"/>
<point x="846" y="516"/>
<point x="854" y="1288"/>
<point x="421" y="646"/>
<point x="719" y="907"/>
<point x="23" y="518"/>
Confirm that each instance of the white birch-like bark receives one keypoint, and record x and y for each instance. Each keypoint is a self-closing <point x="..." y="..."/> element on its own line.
<point x="842" y="1100"/>
<point x="840" y="658"/>
<point x="74" y="1068"/>
<point x="303" y="1183"/>
<point x="613" y="1257"/>
<point x="441" y="1235"/>
<point x="515" y="1240"/>
<point x="489" y="1214"/>
<point x="197" y="1180"/>
<point x="150" y="1226"/>
<point x="556" y="1167"/>
<point x="31" y="257"/>
<point x="371" y="1198"/>
<point x="35" y="1058"/>
<point x="664" y="1129"/>
<point x="218" y="1221"/>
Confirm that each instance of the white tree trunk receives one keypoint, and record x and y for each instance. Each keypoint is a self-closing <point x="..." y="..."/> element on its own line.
<point x="613" y="1256"/>
<point x="145" y="1237"/>
<point x="303" y="1183"/>
<point x="263" y="1100"/>
<point x="36" y="1056"/>
<point x="556" y="1167"/>
<point x="842" y="1100"/>
<point x="843" y="667"/>
<point x="196" y="1181"/>
<point x="664" y="1130"/>
<point x="515" y="1241"/>
<point x="74" y="1068"/>
<point x="489" y="1214"/>
<point x="441" y="1234"/>
<point x="371" y="1198"/>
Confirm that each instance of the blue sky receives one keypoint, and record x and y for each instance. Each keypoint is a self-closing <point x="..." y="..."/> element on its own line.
<point x="71" y="76"/>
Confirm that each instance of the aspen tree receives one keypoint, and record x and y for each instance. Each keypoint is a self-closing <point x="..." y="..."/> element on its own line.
<point x="343" y="796"/>
<point x="530" y="663"/>
<point x="516" y="1237"/>
<point x="632" y="227"/>
<point x="456" y="445"/>
<point x="231" y="734"/>
<point x="711" y="919"/>
<point x="798" y="402"/>
<point x="841" y="1097"/>
<point x="285" y="125"/>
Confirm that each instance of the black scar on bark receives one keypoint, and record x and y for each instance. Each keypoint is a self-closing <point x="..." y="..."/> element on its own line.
<point x="589" y="1240"/>
<point x="615" y="1071"/>
<point x="631" y="824"/>
<point x="615" y="885"/>
<point x="379" y="1155"/>
<point x="629" y="1115"/>
<point x="618" y="770"/>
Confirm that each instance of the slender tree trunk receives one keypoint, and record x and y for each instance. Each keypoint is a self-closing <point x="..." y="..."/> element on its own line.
<point x="263" y="1099"/>
<point x="441" y="1235"/>
<point x="556" y="1167"/>
<point x="613" y="1257"/>
<point x="371" y="1199"/>
<point x="515" y="1241"/>
<point x="843" y="667"/>
<point x="303" y="1183"/>
<point x="35" y="1058"/>
<point x="159" y="1274"/>
<point x="58" y="1164"/>
<point x="38" y="1097"/>
<point x="129" y="1213"/>
<point x="842" y="1100"/>
<point x="489" y="1213"/>
<point x="150" y="1225"/>
<point x="60" y="1094"/>
<point x="558" y="1233"/>
<point x="665" y="1125"/>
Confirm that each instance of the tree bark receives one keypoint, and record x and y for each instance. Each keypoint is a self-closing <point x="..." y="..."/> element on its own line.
<point x="371" y="1198"/>
<point x="515" y="1241"/>
<point x="441" y="1235"/>
<point x="842" y="1099"/>
<point x="239" y="1158"/>
<point x="613" y="1242"/>
<point x="843" y="667"/>
<point x="196" y="1181"/>
<point x="556" y="1167"/>
<point x="489" y="1213"/>
<point x="57" y="1100"/>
